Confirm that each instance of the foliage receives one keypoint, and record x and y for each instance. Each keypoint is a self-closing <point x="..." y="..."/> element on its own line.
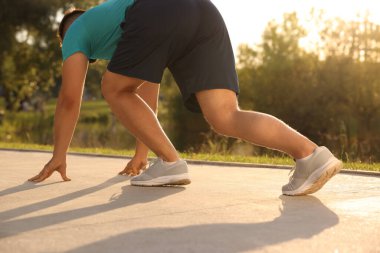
<point x="97" y="127"/>
<point x="29" y="50"/>
<point x="330" y="93"/>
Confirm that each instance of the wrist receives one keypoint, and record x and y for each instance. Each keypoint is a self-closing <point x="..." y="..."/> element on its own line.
<point x="59" y="156"/>
<point x="141" y="156"/>
<point x="141" y="152"/>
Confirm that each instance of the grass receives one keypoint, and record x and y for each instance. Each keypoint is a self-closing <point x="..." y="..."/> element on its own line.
<point x="195" y="156"/>
<point x="98" y="106"/>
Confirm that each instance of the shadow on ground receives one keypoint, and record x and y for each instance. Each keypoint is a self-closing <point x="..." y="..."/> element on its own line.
<point x="301" y="218"/>
<point x="24" y="187"/>
<point x="19" y="211"/>
<point x="130" y="195"/>
<point x="297" y="221"/>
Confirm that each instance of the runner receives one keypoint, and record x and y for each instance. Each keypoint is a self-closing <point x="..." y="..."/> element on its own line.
<point x="142" y="38"/>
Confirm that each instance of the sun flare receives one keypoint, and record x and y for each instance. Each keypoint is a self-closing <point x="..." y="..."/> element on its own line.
<point x="247" y="19"/>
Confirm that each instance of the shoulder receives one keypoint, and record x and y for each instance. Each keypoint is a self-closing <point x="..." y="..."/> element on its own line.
<point x="76" y="40"/>
<point x="76" y="30"/>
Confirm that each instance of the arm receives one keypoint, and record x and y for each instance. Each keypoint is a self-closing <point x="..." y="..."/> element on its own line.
<point x="149" y="93"/>
<point x="66" y="115"/>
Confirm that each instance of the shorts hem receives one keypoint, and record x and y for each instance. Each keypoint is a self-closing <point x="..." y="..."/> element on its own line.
<point x="132" y="74"/>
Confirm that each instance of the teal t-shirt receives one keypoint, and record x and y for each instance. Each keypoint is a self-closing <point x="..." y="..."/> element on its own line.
<point x="96" y="32"/>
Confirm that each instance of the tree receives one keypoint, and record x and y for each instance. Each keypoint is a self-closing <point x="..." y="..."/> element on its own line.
<point x="332" y="95"/>
<point x="29" y="51"/>
<point x="352" y="61"/>
<point x="282" y="74"/>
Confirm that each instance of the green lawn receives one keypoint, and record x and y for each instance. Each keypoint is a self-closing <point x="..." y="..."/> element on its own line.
<point x="194" y="156"/>
<point x="98" y="106"/>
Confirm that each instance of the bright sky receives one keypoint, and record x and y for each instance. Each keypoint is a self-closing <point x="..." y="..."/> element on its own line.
<point x="247" y="19"/>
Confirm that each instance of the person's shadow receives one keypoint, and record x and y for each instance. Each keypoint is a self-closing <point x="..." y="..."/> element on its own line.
<point x="301" y="217"/>
<point x="24" y="187"/>
<point x="130" y="195"/>
<point x="19" y="211"/>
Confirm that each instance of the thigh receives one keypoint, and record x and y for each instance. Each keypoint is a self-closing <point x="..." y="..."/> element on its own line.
<point x="113" y="82"/>
<point x="217" y="101"/>
<point x="208" y="63"/>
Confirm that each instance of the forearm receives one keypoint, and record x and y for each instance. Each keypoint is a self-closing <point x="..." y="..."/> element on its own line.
<point x="66" y="117"/>
<point x="74" y="71"/>
<point x="68" y="105"/>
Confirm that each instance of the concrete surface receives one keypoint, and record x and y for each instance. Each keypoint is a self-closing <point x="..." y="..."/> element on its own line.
<point x="225" y="209"/>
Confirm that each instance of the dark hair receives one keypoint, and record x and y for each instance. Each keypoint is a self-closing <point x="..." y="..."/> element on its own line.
<point x="67" y="17"/>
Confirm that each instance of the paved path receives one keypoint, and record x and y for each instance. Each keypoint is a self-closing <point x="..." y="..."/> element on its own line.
<point x="225" y="209"/>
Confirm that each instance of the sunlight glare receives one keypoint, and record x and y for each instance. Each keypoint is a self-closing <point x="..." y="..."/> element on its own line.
<point x="247" y="19"/>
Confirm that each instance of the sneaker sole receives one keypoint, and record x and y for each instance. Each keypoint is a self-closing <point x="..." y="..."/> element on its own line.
<point x="318" y="179"/>
<point x="182" y="179"/>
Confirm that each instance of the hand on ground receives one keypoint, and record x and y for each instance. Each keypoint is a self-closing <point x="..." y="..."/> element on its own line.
<point x="134" y="167"/>
<point x="49" y="169"/>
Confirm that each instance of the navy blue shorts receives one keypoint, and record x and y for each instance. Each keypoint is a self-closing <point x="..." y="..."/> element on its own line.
<point x="187" y="36"/>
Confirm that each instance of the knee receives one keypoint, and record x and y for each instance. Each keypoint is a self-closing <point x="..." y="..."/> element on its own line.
<point x="113" y="85"/>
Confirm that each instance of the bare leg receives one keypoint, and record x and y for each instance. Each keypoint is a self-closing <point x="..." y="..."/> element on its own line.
<point x="221" y="110"/>
<point x="149" y="93"/>
<point x="121" y="94"/>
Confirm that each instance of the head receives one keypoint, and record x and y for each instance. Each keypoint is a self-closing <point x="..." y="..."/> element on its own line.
<point x="69" y="17"/>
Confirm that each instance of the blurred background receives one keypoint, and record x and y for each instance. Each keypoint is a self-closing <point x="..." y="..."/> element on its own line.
<point x="313" y="64"/>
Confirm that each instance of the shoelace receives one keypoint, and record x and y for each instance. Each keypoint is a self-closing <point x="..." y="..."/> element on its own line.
<point x="153" y="162"/>
<point x="291" y="173"/>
